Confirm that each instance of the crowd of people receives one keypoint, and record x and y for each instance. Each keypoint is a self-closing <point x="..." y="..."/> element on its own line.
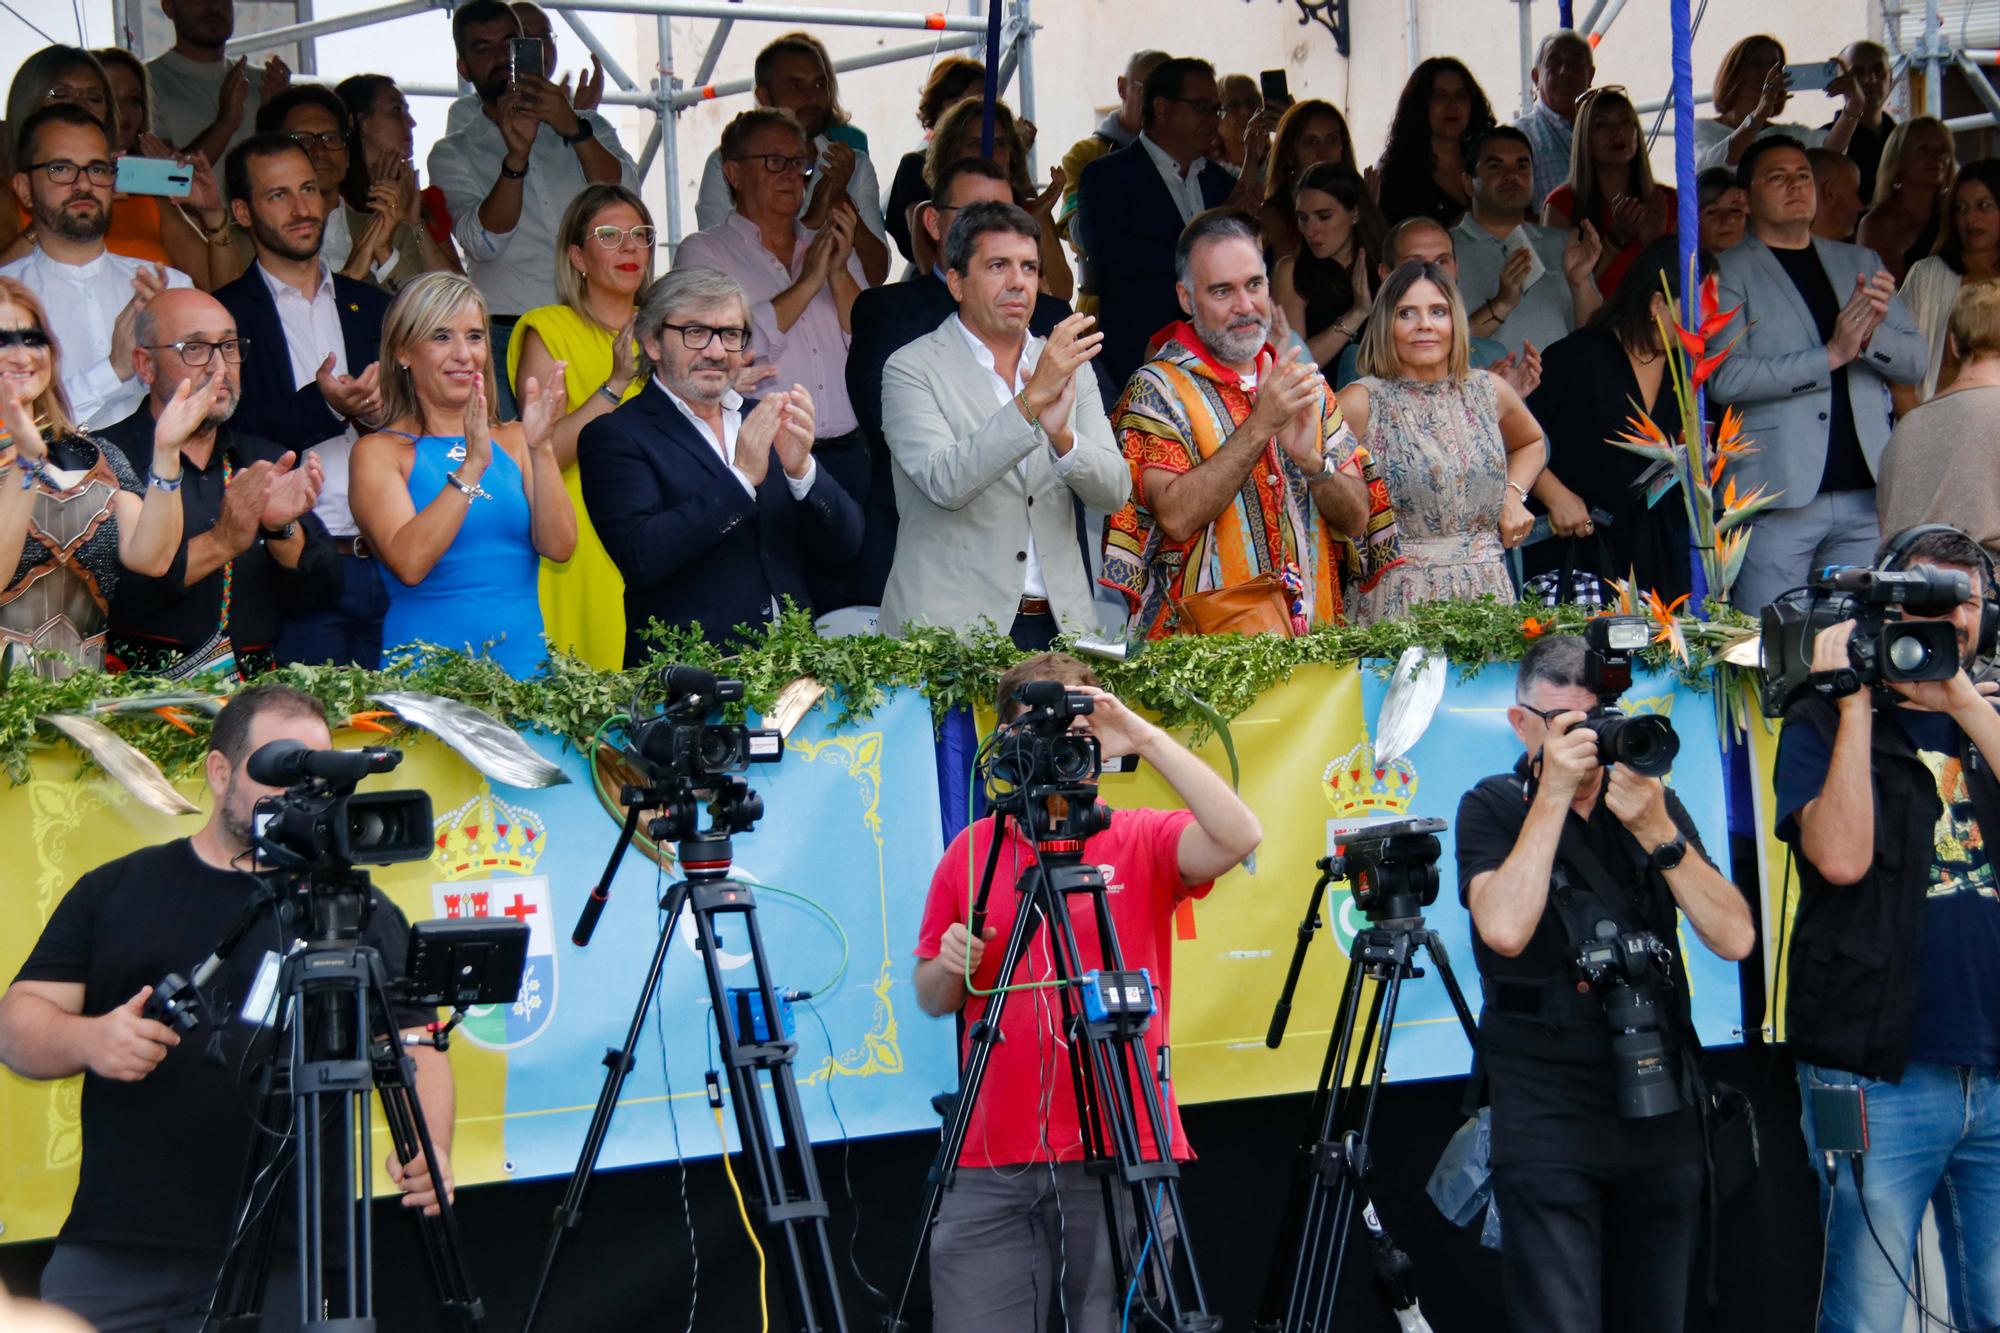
<point x="1243" y="371"/>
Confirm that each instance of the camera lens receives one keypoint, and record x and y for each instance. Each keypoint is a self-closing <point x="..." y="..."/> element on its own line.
<point x="1645" y="744"/>
<point x="1909" y="654"/>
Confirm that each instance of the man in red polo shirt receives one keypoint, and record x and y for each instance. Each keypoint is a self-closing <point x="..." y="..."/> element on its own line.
<point x="1021" y="1216"/>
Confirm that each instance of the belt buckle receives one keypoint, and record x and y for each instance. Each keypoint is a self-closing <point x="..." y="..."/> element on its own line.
<point x="358" y="547"/>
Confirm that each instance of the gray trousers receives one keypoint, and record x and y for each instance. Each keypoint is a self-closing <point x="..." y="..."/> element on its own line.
<point x="1789" y="546"/>
<point x="1007" y="1238"/>
<point x="126" y="1289"/>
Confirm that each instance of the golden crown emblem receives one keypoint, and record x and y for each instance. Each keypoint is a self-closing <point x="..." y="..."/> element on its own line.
<point x="486" y="836"/>
<point x="1357" y="787"/>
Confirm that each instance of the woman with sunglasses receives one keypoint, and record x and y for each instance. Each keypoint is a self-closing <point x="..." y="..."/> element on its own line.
<point x="85" y="516"/>
<point x="604" y="261"/>
<point x="460" y="512"/>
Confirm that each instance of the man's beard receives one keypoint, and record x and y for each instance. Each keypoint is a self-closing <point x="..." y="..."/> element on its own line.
<point x="76" y="226"/>
<point x="274" y="239"/>
<point x="693" y="390"/>
<point x="1236" y="342"/>
<point x="236" y="825"/>
<point x="496" y="86"/>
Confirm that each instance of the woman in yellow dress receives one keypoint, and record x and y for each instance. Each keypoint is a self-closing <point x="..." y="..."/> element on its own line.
<point x="604" y="260"/>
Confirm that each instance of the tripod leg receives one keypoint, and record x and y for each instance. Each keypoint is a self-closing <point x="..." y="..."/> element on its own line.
<point x="617" y="1064"/>
<point x="1435" y="945"/>
<point x="1382" y="1024"/>
<point x="246" y="1264"/>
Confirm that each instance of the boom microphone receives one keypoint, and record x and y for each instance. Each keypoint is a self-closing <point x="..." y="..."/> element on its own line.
<point x="288" y="762"/>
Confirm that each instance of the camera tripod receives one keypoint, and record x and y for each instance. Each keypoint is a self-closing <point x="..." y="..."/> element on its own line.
<point x="1105" y="1053"/>
<point x="788" y="1196"/>
<point x="332" y="999"/>
<point x="1333" y="1166"/>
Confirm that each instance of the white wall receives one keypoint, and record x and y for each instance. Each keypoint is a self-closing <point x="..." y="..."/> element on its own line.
<point x="1079" y="53"/>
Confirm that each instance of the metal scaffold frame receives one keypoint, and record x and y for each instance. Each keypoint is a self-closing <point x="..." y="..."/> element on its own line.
<point x="666" y="94"/>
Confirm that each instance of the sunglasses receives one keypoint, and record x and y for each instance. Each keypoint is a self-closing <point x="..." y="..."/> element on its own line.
<point x="33" y="339"/>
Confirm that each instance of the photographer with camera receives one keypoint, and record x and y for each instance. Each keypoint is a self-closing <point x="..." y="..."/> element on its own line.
<point x="1572" y="867"/>
<point x="167" y="1121"/>
<point x="1893" y="1008"/>
<point x="1022" y="1216"/>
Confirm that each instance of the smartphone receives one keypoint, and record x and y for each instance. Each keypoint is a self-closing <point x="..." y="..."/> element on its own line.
<point x="1813" y="76"/>
<point x="154" y="175"/>
<point x="1840" y="1118"/>
<point x="1276" y="87"/>
<point x="523" y="53"/>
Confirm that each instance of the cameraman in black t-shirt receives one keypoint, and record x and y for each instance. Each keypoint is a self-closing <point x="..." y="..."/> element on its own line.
<point x="1597" y="1151"/>
<point x="168" y="1123"/>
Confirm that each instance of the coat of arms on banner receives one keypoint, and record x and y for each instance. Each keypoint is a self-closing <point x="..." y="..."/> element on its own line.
<point x="1362" y="793"/>
<point x="486" y="852"/>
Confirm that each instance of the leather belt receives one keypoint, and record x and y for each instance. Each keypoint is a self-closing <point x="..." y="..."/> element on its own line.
<point x="1035" y="606"/>
<point x="356" y="546"/>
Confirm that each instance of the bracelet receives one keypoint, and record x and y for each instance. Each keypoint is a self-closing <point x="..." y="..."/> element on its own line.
<point x="610" y="395"/>
<point x="507" y="173"/>
<point x="471" y="491"/>
<point x="159" y="482"/>
<point x="1519" y="488"/>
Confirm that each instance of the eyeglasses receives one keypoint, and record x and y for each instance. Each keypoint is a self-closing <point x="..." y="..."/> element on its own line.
<point x="33" y="339"/>
<point x="326" y="141"/>
<point x="1549" y="715"/>
<point x="612" y="237"/>
<point x="778" y="164"/>
<point x="63" y="172"/>
<point x="1206" y="109"/>
<point x="694" y="337"/>
<point x="196" y="353"/>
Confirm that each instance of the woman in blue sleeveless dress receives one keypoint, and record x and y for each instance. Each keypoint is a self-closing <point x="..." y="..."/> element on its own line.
<point x="460" y="513"/>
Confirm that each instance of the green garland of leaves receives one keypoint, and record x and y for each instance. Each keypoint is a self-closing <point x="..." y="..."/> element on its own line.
<point x="1172" y="677"/>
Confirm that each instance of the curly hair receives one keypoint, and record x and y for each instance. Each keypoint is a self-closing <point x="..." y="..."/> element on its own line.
<point x="1408" y="160"/>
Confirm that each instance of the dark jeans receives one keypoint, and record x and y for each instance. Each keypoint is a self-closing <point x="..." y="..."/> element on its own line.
<point x="1034" y="634"/>
<point x="506" y="409"/>
<point x="125" y="1289"/>
<point x="856" y="582"/>
<point x="1584" y="1250"/>
<point x="348" y="633"/>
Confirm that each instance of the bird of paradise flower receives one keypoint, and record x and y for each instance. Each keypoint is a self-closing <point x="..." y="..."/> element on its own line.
<point x="1697" y="458"/>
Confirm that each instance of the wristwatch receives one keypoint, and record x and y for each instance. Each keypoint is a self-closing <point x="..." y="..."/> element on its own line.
<point x="584" y="130"/>
<point x="1328" y="469"/>
<point x="283" y="534"/>
<point x="1669" y="854"/>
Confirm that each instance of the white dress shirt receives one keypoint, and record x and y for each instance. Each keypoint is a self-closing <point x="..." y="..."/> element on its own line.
<point x="1186" y="189"/>
<point x="725" y="448"/>
<point x="1032" y="584"/>
<point x="312" y="333"/>
<point x="713" y="203"/>
<point x="82" y="302"/>
<point x="515" y="270"/>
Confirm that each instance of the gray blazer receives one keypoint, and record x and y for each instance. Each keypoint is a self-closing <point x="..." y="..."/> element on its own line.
<point x="965" y="508"/>
<point x="1778" y="376"/>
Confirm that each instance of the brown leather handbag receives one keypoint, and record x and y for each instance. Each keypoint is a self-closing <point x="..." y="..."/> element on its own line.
<point x="1256" y="606"/>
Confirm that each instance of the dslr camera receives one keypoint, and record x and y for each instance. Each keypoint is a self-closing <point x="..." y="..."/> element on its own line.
<point x="1645" y="744"/>
<point x="1624" y="971"/>
<point x="1039" y="771"/>
<point x="1885" y="646"/>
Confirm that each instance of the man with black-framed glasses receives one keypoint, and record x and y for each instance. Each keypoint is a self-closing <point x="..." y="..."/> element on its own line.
<point x="252" y="552"/>
<point x="801" y="285"/>
<point x="713" y="506"/>
<point x="310" y="383"/>
<point x="64" y="178"/>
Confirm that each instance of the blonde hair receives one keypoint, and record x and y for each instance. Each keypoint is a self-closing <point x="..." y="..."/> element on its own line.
<point x="419" y="310"/>
<point x="952" y="126"/>
<point x="1975" y="319"/>
<point x="51" y="407"/>
<point x="1730" y="72"/>
<point x="1377" y="354"/>
<point x="29" y="91"/>
<point x="1585" y="191"/>
<point x="1893" y="149"/>
<point x="575" y="233"/>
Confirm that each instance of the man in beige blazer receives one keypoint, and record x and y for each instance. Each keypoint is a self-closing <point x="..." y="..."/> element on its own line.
<point x="995" y="434"/>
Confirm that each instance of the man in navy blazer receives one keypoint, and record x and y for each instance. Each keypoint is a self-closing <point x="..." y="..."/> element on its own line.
<point x="310" y="379"/>
<point x="888" y="319"/>
<point x="710" y="504"/>
<point x="1132" y="204"/>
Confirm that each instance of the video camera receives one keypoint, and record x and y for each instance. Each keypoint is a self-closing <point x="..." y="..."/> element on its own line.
<point x="1391" y="868"/>
<point x="1645" y="744"/>
<point x="1885" y="647"/>
<point x="1623" y="970"/>
<point x="683" y="747"/>
<point x="1039" y="771"/>
<point x="318" y="826"/>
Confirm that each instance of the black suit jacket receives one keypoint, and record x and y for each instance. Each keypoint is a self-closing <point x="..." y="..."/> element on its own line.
<point x="691" y="542"/>
<point x="273" y="407"/>
<point x="1128" y="225"/>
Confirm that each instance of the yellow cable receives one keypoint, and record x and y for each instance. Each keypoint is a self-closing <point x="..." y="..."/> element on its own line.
<point x="743" y="1211"/>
